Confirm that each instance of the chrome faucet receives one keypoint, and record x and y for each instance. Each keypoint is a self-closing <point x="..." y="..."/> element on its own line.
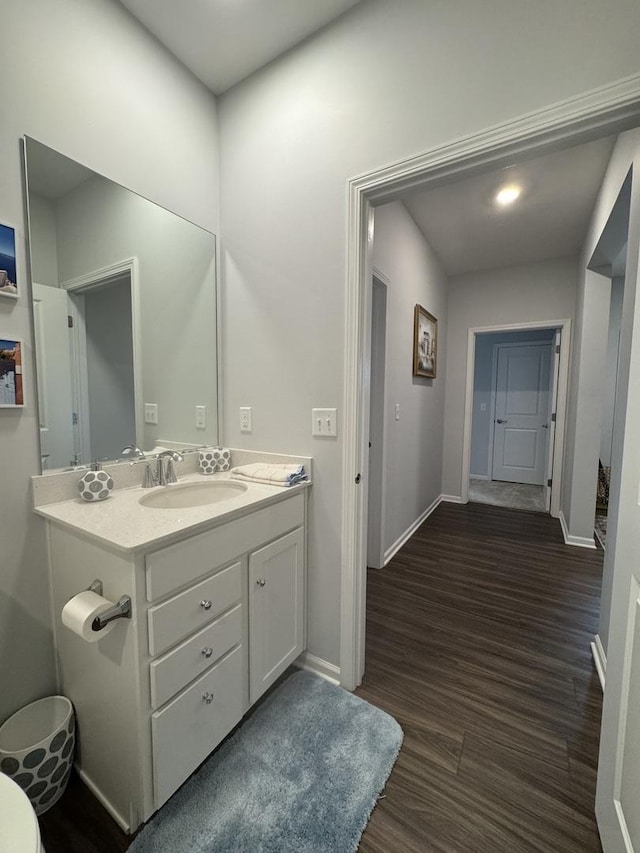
<point x="165" y="473"/>
<point x="132" y="450"/>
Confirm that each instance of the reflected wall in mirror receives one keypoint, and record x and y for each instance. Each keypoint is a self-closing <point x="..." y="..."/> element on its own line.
<point x="124" y="300"/>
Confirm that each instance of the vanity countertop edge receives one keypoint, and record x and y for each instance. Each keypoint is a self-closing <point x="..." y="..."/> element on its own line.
<point x="122" y="524"/>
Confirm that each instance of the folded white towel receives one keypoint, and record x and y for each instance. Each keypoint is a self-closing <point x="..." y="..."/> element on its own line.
<point x="273" y="474"/>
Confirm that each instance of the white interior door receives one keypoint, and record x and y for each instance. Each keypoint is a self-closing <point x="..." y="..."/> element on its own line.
<point x="50" y="313"/>
<point x="521" y="428"/>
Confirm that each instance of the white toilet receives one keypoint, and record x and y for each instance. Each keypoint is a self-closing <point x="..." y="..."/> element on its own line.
<point x="19" y="829"/>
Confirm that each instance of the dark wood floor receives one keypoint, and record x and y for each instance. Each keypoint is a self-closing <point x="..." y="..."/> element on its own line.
<point x="478" y="643"/>
<point x="478" y="638"/>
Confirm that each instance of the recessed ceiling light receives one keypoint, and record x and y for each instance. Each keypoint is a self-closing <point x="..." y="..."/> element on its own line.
<point x="508" y="195"/>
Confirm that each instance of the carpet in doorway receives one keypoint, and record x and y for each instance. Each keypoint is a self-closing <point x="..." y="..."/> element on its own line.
<point x="301" y="775"/>
<point x="600" y="528"/>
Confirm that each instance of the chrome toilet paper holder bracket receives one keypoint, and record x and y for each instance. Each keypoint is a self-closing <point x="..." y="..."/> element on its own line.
<point x="120" y="610"/>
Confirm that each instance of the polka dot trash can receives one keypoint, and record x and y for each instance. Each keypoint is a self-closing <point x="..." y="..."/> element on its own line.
<point x="36" y="749"/>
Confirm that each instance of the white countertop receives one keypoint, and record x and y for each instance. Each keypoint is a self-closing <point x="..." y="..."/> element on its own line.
<point x="121" y="522"/>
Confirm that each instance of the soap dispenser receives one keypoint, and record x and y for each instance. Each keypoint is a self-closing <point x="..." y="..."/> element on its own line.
<point x="96" y="484"/>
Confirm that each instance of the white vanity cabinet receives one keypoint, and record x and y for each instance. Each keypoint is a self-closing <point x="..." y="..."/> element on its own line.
<point x="217" y="616"/>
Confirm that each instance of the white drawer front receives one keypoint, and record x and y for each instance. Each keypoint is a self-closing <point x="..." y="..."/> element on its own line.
<point x="189" y="728"/>
<point x="182" y="563"/>
<point x="192" y="609"/>
<point x="172" y="671"/>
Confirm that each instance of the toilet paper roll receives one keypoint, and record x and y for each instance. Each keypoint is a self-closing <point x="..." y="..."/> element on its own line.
<point x="80" y="611"/>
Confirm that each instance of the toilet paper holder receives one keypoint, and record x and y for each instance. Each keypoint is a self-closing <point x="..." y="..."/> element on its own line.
<point x="120" y="610"/>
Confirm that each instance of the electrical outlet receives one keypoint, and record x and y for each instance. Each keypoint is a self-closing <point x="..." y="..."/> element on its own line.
<point x="246" y="424"/>
<point x="324" y="422"/>
<point x="151" y="413"/>
<point x="201" y="417"/>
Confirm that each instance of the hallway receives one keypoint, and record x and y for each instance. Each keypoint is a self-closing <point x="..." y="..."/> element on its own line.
<point x="478" y="638"/>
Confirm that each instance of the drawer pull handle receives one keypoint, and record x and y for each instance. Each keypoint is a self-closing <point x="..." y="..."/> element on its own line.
<point x="206" y="603"/>
<point x="261" y="581"/>
<point x="207" y="651"/>
<point x="208" y="697"/>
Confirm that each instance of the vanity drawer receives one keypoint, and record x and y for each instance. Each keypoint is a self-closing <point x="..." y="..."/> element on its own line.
<point x="172" y="671"/>
<point x="182" y="563"/>
<point x="193" y="608"/>
<point x="190" y="727"/>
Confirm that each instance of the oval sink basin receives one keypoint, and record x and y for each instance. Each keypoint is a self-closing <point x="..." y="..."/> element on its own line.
<point x="180" y="496"/>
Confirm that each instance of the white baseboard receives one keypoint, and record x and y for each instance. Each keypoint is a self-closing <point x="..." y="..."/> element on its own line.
<point x="115" y="814"/>
<point x="599" y="658"/>
<point x="577" y="541"/>
<point x="479" y="477"/>
<point x="328" y="671"/>
<point x="452" y="499"/>
<point x="393" y="550"/>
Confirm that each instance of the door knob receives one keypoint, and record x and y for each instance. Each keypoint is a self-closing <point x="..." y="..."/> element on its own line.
<point x="545" y="426"/>
<point x="205" y="604"/>
<point x="261" y="581"/>
<point x="500" y="421"/>
<point x="207" y="651"/>
<point x="208" y="697"/>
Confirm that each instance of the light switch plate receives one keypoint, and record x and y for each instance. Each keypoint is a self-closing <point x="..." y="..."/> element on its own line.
<point x="246" y="421"/>
<point x="201" y="417"/>
<point x="151" y="413"/>
<point x="324" y="422"/>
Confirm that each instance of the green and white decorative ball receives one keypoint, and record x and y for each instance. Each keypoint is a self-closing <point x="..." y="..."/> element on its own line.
<point x="95" y="486"/>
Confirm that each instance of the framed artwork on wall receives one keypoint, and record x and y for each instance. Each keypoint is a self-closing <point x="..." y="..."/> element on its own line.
<point x="8" y="277"/>
<point x="425" y="343"/>
<point x="11" y="387"/>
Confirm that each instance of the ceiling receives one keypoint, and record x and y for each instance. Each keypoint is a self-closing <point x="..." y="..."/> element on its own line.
<point x="223" y="41"/>
<point x="469" y="232"/>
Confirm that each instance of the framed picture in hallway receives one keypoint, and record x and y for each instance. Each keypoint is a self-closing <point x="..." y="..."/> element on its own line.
<point x="425" y="343"/>
<point x="11" y="390"/>
<point x="8" y="278"/>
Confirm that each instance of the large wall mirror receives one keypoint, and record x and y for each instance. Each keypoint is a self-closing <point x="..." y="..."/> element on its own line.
<point x="124" y="301"/>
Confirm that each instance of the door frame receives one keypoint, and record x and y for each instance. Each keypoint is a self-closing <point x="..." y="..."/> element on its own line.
<point x="561" y="409"/>
<point x="77" y="287"/>
<point x="553" y="407"/>
<point x="599" y="112"/>
<point x="377" y="459"/>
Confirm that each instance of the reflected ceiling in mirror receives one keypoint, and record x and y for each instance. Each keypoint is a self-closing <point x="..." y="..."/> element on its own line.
<point x="124" y="302"/>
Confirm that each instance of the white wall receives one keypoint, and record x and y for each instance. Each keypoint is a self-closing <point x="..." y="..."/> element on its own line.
<point x="534" y="292"/>
<point x="482" y="393"/>
<point x="611" y="369"/>
<point x="413" y="444"/>
<point x="44" y="251"/>
<point x="387" y="81"/>
<point x="85" y="79"/>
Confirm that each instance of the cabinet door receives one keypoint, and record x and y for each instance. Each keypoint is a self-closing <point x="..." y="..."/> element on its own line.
<point x="276" y="609"/>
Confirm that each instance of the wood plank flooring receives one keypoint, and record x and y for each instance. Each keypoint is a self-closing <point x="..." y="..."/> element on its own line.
<point x="478" y="638"/>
